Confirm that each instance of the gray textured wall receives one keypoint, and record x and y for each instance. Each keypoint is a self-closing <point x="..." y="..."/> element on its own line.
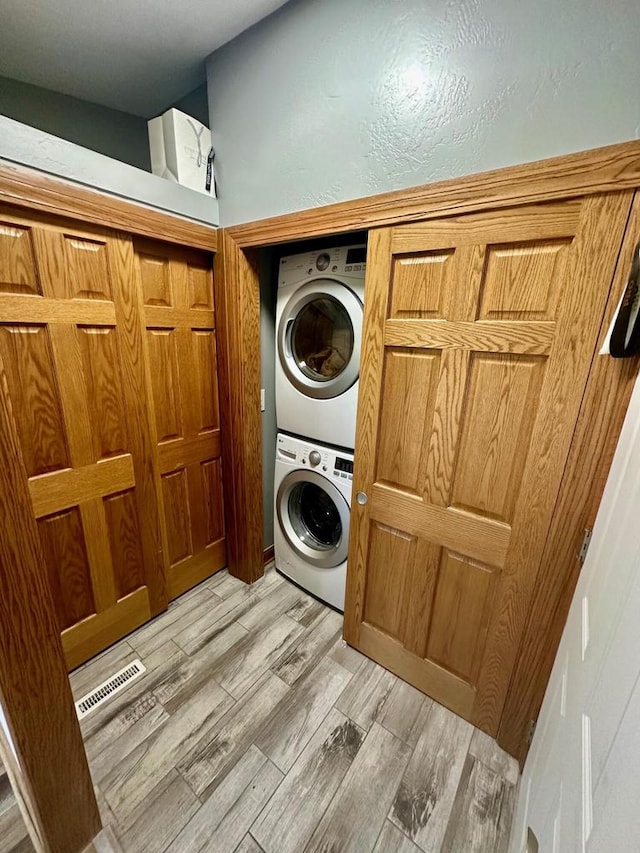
<point x="333" y="99"/>
<point x="119" y="135"/>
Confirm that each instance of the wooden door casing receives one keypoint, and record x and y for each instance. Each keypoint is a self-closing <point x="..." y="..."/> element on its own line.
<point x="176" y="291"/>
<point x="72" y="349"/>
<point x="479" y="332"/>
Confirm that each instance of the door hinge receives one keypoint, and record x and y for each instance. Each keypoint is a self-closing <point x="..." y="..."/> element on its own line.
<point x="531" y="731"/>
<point x="586" y="539"/>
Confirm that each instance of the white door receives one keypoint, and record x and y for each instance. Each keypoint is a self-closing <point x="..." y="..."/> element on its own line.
<point x="580" y="790"/>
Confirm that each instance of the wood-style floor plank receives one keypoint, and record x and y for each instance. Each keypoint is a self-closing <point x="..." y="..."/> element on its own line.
<point x="206" y="765"/>
<point x="405" y="712"/>
<point x="133" y="778"/>
<point x="296" y="718"/>
<point x="391" y="839"/>
<point x="204" y="630"/>
<point x="240" y="667"/>
<point x="224" y="819"/>
<point x="363" y="699"/>
<point x="256" y="729"/>
<point x="481" y="817"/>
<point x="161" y="816"/>
<point x="292" y="814"/>
<point x="312" y="646"/>
<point x="357" y="811"/>
<point x="425" y="798"/>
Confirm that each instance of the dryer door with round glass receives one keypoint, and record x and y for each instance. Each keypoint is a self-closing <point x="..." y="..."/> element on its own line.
<point x="314" y="517"/>
<point x="319" y="339"/>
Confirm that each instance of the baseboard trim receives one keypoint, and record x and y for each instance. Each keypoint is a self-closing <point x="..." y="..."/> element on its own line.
<point x="268" y="554"/>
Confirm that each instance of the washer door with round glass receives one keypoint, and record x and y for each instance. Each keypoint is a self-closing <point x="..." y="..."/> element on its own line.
<point x="319" y="339"/>
<point x="314" y="517"/>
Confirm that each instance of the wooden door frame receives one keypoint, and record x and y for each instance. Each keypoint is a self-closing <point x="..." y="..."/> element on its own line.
<point x="609" y="169"/>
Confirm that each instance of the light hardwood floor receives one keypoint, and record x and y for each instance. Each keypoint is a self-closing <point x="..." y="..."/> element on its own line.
<point x="256" y="729"/>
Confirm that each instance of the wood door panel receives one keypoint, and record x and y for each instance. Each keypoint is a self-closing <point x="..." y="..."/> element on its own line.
<point x="461" y="612"/>
<point x="65" y="554"/>
<point x="177" y="292"/>
<point x="27" y="357"/>
<point x="18" y="272"/>
<point x="123" y="526"/>
<point x="199" y="283"/>
<point x="86" y="269"/>
<point x="419" y="285"/>
<point x="510" y="269"/>
<point x="163" y="359"/>
<point x="407" y="412"/>
<point x="156" y="283"/>
<point x="211" y="474"/>
<point x="99" y="352"/>
<point x="204" y="356"/>
<point x="502" y="398"/>
<point x="479" y="333"/>
<point x="384" y="603"/>
<point x="175" y="496"/>
<point x="72" y="351"/>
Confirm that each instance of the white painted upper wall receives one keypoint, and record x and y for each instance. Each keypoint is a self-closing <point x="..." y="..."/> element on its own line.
<point x="328" y="100"/>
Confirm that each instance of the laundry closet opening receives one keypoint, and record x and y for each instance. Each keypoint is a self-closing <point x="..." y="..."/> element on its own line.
<point x="324" y="345"/>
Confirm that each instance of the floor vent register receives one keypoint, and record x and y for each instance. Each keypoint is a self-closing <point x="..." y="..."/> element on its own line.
<point x="108" y="688"/>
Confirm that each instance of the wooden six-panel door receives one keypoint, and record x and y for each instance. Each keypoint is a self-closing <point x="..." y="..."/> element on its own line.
<point x="71" y="345"/>
<point x="177" y="293"/>
<point x="479" y="334"/>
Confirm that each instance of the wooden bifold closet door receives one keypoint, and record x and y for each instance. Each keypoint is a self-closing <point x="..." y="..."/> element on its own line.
<point x="81" y="380"/>
<point x="479" y="334"/>
<point x="177" y="292"/>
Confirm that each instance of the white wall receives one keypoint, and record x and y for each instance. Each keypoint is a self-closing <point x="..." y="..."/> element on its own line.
<point x="328" y="100"/>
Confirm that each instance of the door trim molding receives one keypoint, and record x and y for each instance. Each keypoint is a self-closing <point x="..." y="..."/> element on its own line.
<point x="24" y="187"/>
<point x="614" y="167"/>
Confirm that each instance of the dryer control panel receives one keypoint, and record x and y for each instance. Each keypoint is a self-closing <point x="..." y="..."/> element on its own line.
<point x="343" y="261"/>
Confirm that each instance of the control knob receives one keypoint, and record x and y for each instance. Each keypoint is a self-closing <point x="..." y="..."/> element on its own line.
<point x="314" y="458"/>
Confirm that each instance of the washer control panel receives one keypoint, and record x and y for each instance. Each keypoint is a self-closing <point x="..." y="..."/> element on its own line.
<point x="344" y="260"/>
<point x="296" y="451"/>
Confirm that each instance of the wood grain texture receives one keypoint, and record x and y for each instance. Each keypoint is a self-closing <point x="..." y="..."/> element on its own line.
<point x="613" y="167"/>
<point x="481" y="816"/>
<point x="237" y="299"/>
<point x="356" y="814"/>
<point x="77" y="384"/>
<point x="76" y="485"/>
<point x="601" y="415"/>
<point x="288" y="821"/>
<point x="32" y="189"/>
<point x="463" y="485"/>
<point x="428" y="788"/>
<point x="207" y="783"/>
<point x="34" y="688"/>
<point x="182" y="373"/>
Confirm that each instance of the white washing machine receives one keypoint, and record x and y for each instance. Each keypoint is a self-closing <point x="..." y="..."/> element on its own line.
<point x="312" y="506"/>
<point x="318" y="334"/>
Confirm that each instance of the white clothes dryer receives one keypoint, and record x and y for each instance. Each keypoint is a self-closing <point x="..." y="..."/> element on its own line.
<point x="318" y="332"/>
<point x="312" y="507"/>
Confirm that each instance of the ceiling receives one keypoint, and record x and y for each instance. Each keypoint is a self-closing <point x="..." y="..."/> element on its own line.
<point x="139" y="56"/>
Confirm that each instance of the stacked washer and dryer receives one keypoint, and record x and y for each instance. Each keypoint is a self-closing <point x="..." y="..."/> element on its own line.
<point x="319" y="314"/>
